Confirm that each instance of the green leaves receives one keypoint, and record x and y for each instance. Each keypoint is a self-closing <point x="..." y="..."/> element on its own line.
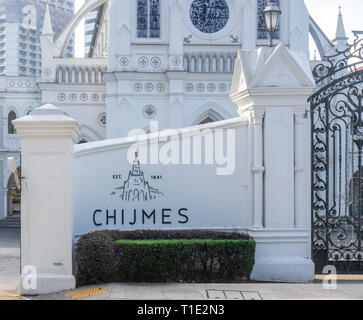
<point x="184" y="260"/>
<point x="164" y="256"/>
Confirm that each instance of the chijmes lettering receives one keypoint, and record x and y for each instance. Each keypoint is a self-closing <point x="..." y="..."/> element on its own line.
<point x="121" y="217"/>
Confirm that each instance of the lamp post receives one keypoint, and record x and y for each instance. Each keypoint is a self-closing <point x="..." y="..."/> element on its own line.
<point x="272" y="15"/>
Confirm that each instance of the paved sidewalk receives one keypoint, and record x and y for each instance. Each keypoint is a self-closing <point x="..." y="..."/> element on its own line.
<point x="246" y="291"/>
<point x="9" y="263"/>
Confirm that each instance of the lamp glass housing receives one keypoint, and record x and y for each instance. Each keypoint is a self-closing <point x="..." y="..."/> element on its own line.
<point x="272" y="15"/>
<point x="272" y="19"/>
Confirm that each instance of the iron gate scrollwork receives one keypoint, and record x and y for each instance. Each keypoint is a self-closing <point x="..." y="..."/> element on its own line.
<point x="337" y="161"/>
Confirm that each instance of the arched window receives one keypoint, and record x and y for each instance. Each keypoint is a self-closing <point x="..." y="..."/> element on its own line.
<point x="11" y="117"/>
<point x="262" y="33"/>
<point x="83" y="141"/>
<point x="14" y="197"/>
<point x="148" y="19"/>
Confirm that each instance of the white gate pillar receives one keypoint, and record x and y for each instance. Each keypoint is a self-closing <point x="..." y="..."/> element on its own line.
<point x="47" y="139"/>
<point x="272" y="86"/>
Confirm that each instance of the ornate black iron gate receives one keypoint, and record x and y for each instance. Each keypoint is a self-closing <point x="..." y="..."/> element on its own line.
<point x="337" y="161"/>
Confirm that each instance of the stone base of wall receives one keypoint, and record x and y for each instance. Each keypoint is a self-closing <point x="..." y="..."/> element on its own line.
<point x="45" y="284"/>
<point x="278" y="270"/>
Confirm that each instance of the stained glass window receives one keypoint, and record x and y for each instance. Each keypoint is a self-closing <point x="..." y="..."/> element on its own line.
<point x="262" y="33"/>
<point x="148" y="18"/>
<point x="209" y="16"/>
<point x="142" y="17"/>
<point x="154" y="19"/>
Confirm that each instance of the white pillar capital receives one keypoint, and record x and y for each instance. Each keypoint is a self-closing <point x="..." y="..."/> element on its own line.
<point x="258" y="117"/>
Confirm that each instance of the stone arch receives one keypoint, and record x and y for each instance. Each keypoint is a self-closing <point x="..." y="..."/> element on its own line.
<point x="92" y="78"/>
<point x="208" y="117"/>
<point x="11" y="117"/>
<point x="74" y="75"/>
<point x="210" y="110"/>
<point x="87" y="75"/>
<point x="80" y="75"/>
<point x="67" y="75"/>
<point x="60" y="77"/>
<point x="82" y="140"/>
<point x="28" y="110"/>
<point x="89" y="134"/>
<point x="99" y="75"/>
<point x="13" y="196"/>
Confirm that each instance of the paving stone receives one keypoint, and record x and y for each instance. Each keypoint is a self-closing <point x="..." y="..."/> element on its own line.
<point x="233" y="295"/>
<point x="216" y="294"/>
<point x="251" y="296"/>
<point x="142" y="292"/>
<point x="9" y="260"/>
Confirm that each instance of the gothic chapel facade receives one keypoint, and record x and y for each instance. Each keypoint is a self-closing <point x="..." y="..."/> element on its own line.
<point x="153" y="64"/>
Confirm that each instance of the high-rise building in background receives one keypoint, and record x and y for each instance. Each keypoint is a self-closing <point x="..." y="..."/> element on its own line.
<point x="21" y="23"/>
<point x="90" y="24"/>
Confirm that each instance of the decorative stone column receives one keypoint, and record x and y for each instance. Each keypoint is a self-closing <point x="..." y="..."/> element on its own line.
<point x="301" y="183"/>
<point x="273" y="86"/>
<point x="258" y="168"/>
<point x="249" y="22"/>
<point x="176" y="98"/>
<point x="47" y="137"/>
<point x="119" y="48"/>
<point x="176" y="50"/>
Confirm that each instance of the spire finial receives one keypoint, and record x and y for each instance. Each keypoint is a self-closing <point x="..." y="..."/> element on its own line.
<point x="340" y="35"/>
<point x="47" y="24"/>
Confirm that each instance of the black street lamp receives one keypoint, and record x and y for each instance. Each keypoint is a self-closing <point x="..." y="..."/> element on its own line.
<point x="272" y="15"/>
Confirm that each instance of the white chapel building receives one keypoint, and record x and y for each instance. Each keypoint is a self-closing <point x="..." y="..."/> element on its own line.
<point x="153" y="65"/>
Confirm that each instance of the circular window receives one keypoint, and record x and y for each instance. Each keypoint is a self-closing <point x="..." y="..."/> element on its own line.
<point x="209" y="16"/>
<point x="150" y="112"/>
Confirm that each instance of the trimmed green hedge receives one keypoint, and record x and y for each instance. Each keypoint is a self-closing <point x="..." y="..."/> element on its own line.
<point x="95" y="258"/>
<point x="184" y="260"/>
<point x="164" y="256"/>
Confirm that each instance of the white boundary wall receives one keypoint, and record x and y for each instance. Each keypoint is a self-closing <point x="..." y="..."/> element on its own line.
<point x="68" y="189"/>
<point x="187" y="194"/>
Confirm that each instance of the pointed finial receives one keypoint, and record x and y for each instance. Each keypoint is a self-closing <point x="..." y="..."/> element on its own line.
<point x="47" y="24"/>
<point x="340" y="35"/>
